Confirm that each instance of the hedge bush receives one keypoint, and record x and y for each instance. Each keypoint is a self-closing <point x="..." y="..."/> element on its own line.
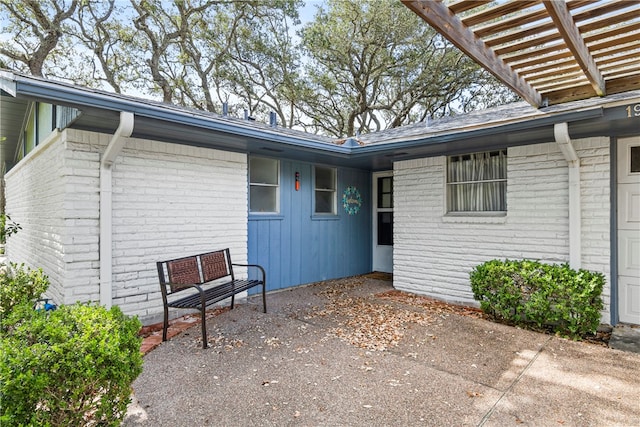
<point x="72" y="366"/>
<point x="7" y="227"/>
<point x="20" y="285"/>
<point x="534" y="294"/>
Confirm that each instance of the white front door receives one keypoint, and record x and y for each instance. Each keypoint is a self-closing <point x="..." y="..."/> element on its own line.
<point x="629" y="230"/>
<point x="383" y="221"/>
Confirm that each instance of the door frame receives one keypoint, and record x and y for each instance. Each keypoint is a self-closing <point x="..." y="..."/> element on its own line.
<point x="619" y="165"/>
<point x="381" y="255"/>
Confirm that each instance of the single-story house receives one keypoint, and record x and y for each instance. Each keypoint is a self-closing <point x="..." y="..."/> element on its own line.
<point x="104" y="185"/>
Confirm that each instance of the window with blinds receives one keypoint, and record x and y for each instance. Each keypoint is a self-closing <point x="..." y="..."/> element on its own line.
<point x="477" y="182"/>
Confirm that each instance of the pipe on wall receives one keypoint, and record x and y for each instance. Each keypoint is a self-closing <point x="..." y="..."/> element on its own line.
<point x="124" y="130"/>
<point x="561" y="133"/>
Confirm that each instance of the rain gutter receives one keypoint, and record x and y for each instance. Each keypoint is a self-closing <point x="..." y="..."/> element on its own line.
<point x="507" y="128"/>
<point x="76" y="97"/>
<point x="68" y="94"/>
<point x="124" y="130"/>
<point x="561" y="133"/>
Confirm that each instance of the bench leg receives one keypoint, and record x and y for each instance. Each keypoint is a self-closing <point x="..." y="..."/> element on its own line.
<point x="205" y="344"/>
<point x="264" y="297"/>
<point x="233" y="297"/>
<point x="165" y="324"/>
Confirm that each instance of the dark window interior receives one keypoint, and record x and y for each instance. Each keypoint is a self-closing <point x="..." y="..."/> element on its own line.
<point x="385" y="228"/>
<point x="635" y="159"/>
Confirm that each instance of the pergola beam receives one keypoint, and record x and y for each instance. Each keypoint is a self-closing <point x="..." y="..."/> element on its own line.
<point x="440" y="17"/>
<point x="561" y="16"/>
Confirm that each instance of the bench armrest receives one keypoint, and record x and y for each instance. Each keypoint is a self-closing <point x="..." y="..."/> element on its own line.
<point x="264" y="274"/>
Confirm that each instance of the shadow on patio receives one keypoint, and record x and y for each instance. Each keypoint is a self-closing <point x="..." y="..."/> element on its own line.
<point x="356" y="352"/>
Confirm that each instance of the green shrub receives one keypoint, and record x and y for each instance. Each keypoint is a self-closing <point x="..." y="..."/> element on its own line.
<point x="20" y="285"/>
<point x="70" y="367"/>
<point x="7" y="227"/>
<point x="530" y="293"/>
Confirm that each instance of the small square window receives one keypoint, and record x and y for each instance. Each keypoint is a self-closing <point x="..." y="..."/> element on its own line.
<point x="385" y="228"/>
<point x="325" y="190"/>
<point x="264" y="185"/>
<point x="385" y="192"/>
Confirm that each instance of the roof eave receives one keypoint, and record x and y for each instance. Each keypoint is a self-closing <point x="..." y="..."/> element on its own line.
<point x="77" y="97"/>
<point x="476" y="134"/>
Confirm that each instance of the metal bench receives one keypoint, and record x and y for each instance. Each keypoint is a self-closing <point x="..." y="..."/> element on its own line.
<point x="210" y="279"/>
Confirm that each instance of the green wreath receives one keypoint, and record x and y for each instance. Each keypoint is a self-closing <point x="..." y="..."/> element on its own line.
<point x="351" y="200"/>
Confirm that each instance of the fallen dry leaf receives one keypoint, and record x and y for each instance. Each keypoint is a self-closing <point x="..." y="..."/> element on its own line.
<point x="431" y="304"/>
<point x="365" y="322"/>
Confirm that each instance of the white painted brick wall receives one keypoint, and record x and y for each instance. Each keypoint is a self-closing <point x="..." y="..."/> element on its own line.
<point x="434" y="253"/>
<point x="59" y="213"/>
<point x="34" y="199"/>
<point x="596" y="205"/>
<point x="169" y="200"/>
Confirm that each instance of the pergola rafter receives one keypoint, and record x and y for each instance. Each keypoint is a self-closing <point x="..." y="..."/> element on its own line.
<point x="547" y="51"/>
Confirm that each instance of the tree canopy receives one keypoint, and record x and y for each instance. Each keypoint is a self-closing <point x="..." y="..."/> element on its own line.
<point x="358" y="66"/>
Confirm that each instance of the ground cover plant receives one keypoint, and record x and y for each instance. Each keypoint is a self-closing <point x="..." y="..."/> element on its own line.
<point x="540" y="296"/>
<point x="71" y="366"/>
<point x="19" y="286"/>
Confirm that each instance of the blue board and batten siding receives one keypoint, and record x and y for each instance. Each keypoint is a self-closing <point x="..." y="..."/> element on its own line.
<point x="298" y="247"/>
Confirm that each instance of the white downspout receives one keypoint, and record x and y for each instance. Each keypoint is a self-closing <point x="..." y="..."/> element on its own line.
<point x="561" y="133"/>
<point x="124" y="130"/>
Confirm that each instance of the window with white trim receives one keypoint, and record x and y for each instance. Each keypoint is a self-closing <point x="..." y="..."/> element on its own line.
<point x="325" y="190"/>
<point x="385" y="210"/>
<point x="264" y="185"/>
<point x="477" y="182"/>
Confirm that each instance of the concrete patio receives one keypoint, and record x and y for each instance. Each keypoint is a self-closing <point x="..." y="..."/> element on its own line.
<point x="354" y="353"/>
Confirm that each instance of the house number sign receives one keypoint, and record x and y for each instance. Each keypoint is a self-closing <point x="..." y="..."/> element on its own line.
<point x="633" y="110"/>
<point x="351" y="200"/>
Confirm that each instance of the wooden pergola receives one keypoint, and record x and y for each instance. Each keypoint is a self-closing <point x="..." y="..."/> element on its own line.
<point x="547" y="51"/>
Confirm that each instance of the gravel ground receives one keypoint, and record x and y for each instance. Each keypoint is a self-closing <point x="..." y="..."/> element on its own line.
<point x="354" y="352"/>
